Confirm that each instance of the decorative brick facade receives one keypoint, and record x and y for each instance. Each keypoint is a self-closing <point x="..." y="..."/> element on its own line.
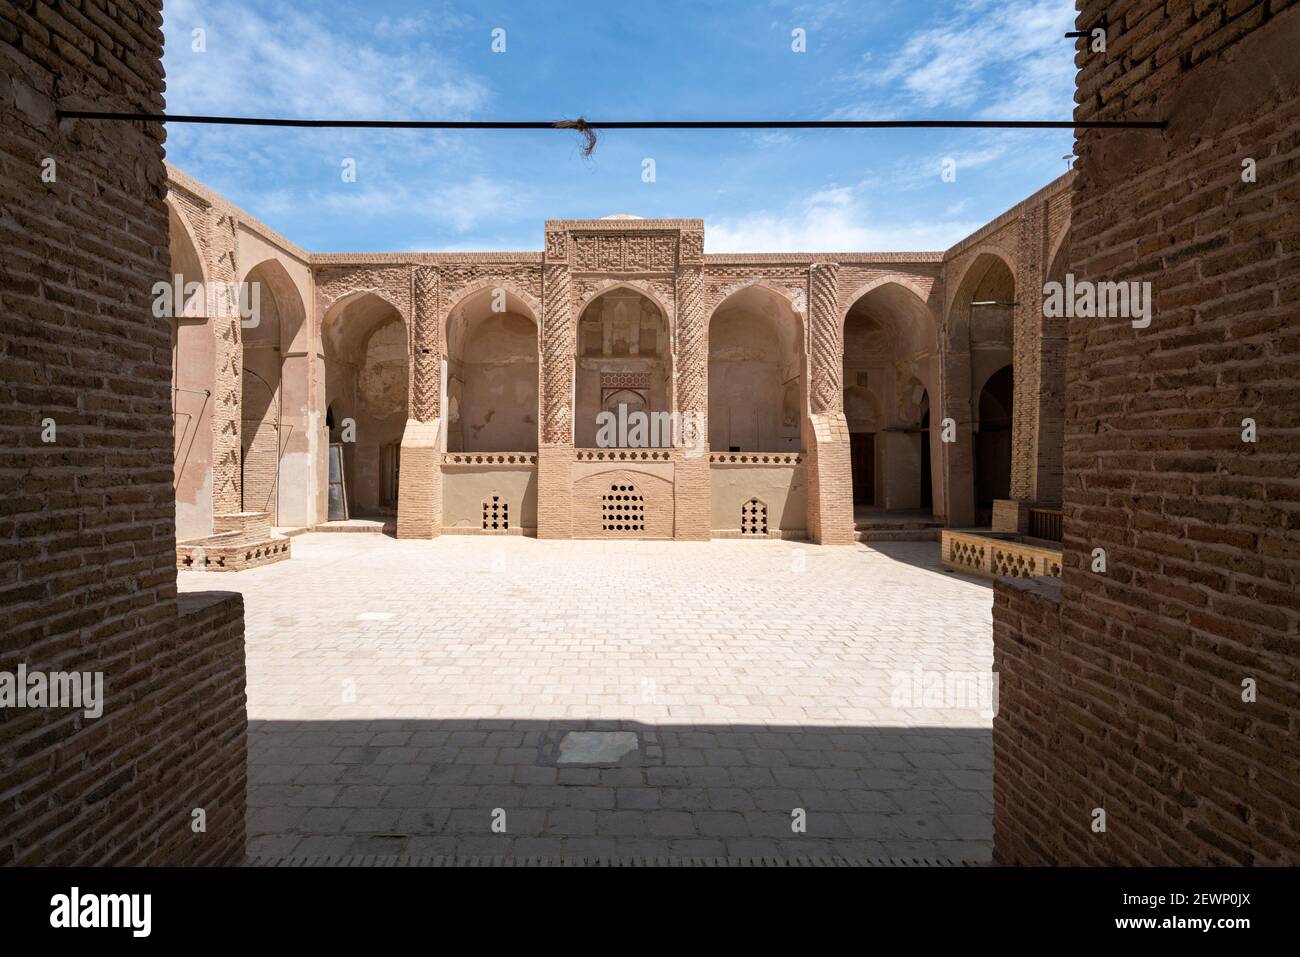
<point x="88" y="579"/>
<point x="441" y="298"/>
<point x="1164" y="690"/>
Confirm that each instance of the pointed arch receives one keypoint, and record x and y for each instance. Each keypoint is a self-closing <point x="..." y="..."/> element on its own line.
<point x="758" y="371"/>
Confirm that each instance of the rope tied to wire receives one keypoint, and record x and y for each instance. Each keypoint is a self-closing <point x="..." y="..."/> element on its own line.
<point x="584" y="128"/>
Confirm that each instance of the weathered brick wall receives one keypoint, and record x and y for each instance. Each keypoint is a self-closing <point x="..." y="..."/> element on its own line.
<point x="1133" y="700"/>
<point x="87" y="530"/>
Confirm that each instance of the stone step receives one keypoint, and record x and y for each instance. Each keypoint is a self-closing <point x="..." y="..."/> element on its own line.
<point x="366" y="525"/>
<point x="897" y="534"/>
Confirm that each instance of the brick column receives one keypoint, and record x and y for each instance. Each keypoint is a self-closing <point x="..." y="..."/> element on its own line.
<point x="828" y="467"/>
<point x="692" y="487"/>
<point x="419" y="493"/>
<point x="559" y="349"/>
<point x="958" y="456"/>
<point x="227" y="453"/>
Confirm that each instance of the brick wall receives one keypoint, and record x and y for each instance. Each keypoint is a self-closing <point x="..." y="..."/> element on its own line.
<point x="87" y="522"/>
<point x="1127" y="695"/>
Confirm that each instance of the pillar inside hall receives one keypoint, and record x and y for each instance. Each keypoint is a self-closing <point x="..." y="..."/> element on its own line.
<point x="692" y="485"/>
<point x="1012" y="514"/>
<point x="419" y="492"/>
<point x="555" y="455"/>
<point x="826" y="441"/>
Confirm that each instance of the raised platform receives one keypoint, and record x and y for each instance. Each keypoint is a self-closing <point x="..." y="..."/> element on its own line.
<point x="377" y="525"/>
<point x="240" y="540"/>
<point x="999" y="554"/>
<point x="894" y="525"/>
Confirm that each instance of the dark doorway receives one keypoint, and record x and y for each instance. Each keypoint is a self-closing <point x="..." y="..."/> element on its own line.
<point x="862" y="456"/>
<point x="993" y="441"/>
<point x="927" y="490"/>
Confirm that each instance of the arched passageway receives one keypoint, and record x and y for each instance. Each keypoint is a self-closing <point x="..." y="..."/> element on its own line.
<point x="757" y="374"/>
<point x="273" y="401"/>
<point x="366" y="349"/>
<point x="890" y="365"/>
<point x="981" y="344"/>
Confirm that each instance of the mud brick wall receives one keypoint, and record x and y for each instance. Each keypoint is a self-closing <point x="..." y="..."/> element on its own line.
<point x="1128" y="694"/>
<point x="87" y="528"/>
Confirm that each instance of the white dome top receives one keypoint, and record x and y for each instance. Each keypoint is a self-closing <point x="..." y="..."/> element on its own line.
<point x="622" y="216"/>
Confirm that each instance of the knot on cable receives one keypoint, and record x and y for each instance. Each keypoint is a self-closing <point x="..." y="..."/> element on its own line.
<point x="584" y="128"/>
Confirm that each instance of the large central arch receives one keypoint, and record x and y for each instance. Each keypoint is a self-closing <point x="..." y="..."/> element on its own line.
<point x="624" y="358"/>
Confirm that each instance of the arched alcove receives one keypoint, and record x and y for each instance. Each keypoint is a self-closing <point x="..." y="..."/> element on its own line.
<point x="492" y="374"/>
<point x="624" y="358"/>
<point x="367" y="376"/>
<point x="891" y="364"/>
<point x="757" y="374"/>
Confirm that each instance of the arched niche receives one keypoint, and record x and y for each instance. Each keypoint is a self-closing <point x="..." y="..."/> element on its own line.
<point x="624" y="356"/>
<point x="493" y="365"/>
<point x="367" y="380"/>
<point x="757" y="373"/>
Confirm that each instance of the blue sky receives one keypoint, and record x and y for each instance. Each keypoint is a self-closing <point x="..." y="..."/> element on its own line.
<point x="613" y="59"/>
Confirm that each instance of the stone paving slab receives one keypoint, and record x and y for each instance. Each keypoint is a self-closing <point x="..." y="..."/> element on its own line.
<point x="405" y="696"/>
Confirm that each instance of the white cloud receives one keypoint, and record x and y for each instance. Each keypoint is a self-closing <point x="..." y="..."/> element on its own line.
<point x="1003" y="60"/>
<point x="459" y="206"/>
<point x="836" y="219"/>
<point x="278" y="59"/>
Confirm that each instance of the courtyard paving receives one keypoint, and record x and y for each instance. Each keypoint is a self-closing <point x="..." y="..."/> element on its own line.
<point x="414" y="698"/>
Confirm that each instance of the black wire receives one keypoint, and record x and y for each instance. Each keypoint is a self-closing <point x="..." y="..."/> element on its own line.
<point x="620" y="124"/>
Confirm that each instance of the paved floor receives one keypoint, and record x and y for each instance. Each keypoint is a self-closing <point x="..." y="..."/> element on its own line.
<point x="783" y="699"/>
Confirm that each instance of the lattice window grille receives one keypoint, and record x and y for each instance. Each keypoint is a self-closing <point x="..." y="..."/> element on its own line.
<point x="753" y="517"/>
<point x="622" y="509"/>
<point x="496" y="514"/>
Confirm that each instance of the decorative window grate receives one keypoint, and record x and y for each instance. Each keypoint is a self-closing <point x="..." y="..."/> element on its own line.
<point x="622" y="509"/>
<point x="753" y="517"/>
<point x="496" y="514"/>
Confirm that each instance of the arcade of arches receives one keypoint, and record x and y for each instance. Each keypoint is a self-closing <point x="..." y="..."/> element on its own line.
<point x="461" y="393"/>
